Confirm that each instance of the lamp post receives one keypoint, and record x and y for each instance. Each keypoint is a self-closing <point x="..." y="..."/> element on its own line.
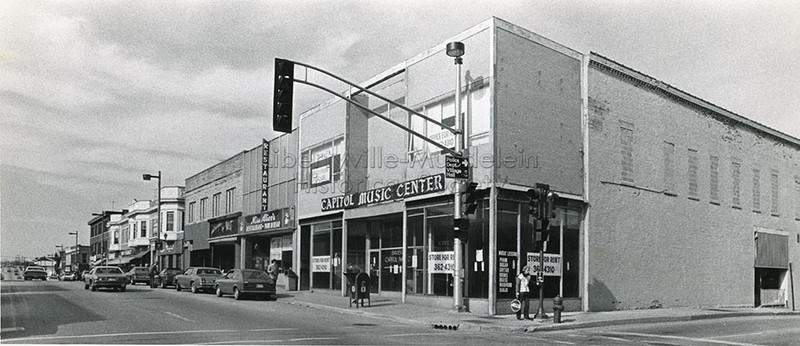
<point x="158" y="217"/>
<point x="456" y="50"/>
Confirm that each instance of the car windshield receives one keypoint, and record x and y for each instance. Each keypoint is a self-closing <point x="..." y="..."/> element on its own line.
<point x="209" y="271"/>
<point x="108" y="271"/>
<point x="36" y="269"/>
<point x="254" y="275"/>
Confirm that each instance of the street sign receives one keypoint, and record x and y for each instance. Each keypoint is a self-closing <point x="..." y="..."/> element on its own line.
<point x="456" y="167"/>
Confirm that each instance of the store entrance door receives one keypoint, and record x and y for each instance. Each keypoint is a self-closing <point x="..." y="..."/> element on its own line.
<point x="374" y="271"/>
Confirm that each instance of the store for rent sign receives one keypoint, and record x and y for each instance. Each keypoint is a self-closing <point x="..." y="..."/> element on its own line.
<point x="552" y="263"/>
<point x="321" y="264"/>
<point x="441" y="262"/>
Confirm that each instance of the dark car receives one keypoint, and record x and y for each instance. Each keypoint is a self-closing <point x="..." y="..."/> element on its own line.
<point x="242" y="282"/>
<point x="138" y="274"/>
<point x="105" y="276"/>
<point x="198" y="279"/>
<point x="166" y="277"/>
<point x="34" y="272"/>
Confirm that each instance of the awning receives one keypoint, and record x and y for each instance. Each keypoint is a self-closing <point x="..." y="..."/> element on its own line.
<point x="121" y="260"/>
<point x="229" y="239"/>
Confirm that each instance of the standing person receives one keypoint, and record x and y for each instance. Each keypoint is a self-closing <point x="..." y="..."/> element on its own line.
<point x="524" y="292"/>
<point x="272" y="270"/>
<point x="153" y="273"/>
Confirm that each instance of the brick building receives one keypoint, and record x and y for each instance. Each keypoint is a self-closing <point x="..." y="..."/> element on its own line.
<point x="655" y="184"/>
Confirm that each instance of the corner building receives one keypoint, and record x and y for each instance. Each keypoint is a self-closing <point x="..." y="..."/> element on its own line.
<point x="375" y="197"/>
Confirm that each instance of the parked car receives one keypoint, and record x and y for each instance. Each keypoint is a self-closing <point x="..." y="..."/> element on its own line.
<point x="34" y="272"/>
<point x="66" y="275"/>
<point x="105" y="276"/>
<point x="241" y="282"/>
<point x="198" y="279"/>
<point x="138" y="274"/>
<point x="166" y="277"/>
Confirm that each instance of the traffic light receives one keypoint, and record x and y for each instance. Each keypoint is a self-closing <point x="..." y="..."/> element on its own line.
<point x="470" y="199"/>
<point x="282" y="96"/>
<point x="534" y="196"/>
<point x="461" y="228"/>
<point x="548" y="206"/>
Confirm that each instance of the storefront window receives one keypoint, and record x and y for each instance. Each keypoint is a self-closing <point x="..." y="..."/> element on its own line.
<point x="321" y="256"/>
<point x="571" y="255"/>
<point x="477" y="254"/>
<point x="507" y="259"/>
<point x="440" y="233"/>
<point x="415" y="263"/>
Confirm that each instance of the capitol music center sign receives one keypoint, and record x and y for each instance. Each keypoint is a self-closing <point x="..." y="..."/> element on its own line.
<point x="411" y="188"/>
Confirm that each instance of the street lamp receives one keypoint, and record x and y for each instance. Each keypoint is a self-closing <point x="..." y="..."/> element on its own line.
<point x="158" y="217"/>
<point x="456" y="50"/>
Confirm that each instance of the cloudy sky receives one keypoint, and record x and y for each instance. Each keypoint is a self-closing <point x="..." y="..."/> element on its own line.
<point x="93" y="94"/>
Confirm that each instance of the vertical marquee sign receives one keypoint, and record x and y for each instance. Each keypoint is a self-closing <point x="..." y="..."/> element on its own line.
<point x="264" y="175"/>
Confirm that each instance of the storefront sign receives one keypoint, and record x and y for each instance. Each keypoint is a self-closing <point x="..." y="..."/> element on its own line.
<point x="223" y="228"/>
<point x="272" y="219"/>
<point x="416" y="187"/>
<point x="321" y="264"/>
<point x="264" y="175"/>
<point x="552" y="263"/>
<point x="441" y="262"/>
<point x="506" y="269"/>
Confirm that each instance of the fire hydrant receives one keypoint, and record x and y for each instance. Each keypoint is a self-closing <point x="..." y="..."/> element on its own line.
<point x="558" y="306"/>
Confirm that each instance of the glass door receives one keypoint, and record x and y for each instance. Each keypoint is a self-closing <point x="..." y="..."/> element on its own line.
<point x="374" y="271"/>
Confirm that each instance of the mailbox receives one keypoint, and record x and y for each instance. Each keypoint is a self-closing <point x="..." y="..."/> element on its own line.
<point x="359" y="289"/>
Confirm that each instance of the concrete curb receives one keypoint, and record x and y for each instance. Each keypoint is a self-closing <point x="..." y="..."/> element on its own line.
<point x="659" y="319"/>
<point x="474" y="327"/>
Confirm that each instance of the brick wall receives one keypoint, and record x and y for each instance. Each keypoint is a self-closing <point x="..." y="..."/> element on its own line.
<point x="649" y="239"/>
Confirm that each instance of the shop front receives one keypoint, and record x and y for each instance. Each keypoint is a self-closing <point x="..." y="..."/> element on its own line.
<point x="407" y="248"/>
<point x="223" y="240"/>
<point x="269" y="236"/>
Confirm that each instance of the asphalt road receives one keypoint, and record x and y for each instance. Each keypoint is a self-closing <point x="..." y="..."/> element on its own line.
<point x="63" y="312"/>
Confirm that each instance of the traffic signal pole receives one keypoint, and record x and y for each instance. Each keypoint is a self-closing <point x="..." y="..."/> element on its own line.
<point x="458" y="271"/>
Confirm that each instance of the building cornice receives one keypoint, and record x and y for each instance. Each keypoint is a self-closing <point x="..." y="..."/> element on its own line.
<point x="686" y="97"/>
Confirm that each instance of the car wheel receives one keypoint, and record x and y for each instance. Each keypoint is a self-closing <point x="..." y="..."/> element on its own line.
<point x="177" y="286"/>
<point x="123" y="288"/>
<point x="194" y="288"/>
<point x="236" y="294"/>
<point x="219" y="292"/>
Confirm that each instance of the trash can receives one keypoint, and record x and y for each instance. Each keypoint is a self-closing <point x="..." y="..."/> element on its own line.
<point x="291" y="279"/>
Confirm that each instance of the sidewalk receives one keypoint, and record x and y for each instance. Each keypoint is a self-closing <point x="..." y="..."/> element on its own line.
<point x="390" y="309"/>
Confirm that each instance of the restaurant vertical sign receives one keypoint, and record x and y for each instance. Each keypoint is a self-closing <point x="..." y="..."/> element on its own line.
<point x="264" y="175"/>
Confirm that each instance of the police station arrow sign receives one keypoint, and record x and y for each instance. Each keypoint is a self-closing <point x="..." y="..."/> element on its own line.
<point x="456" y="167"/>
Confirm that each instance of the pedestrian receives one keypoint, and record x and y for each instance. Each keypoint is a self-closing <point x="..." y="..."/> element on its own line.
<point x="524" y="292"/>
<point x="272" y="270"/>
<point x="153" y="272"/>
